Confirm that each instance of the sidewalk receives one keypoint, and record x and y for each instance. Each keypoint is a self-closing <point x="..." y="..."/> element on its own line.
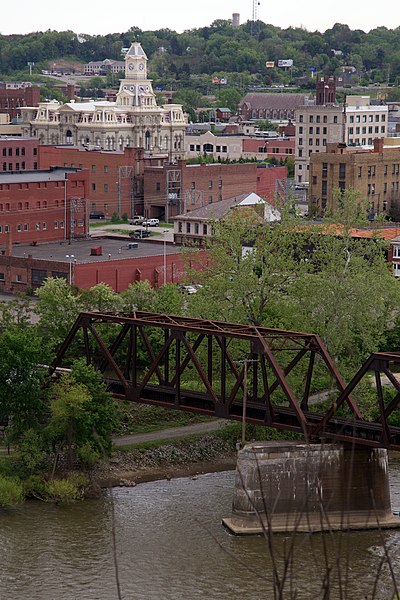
<point x="167" y="434"/>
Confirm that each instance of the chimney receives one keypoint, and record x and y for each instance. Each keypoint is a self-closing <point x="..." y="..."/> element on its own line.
<point x="70" y="92"/>
<point x="378" y="145"/>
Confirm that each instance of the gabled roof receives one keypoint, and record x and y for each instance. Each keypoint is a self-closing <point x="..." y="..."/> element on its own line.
<point x="218" y="210"/>
<point x="279" y="101"/>
<point x="136" y="50"/>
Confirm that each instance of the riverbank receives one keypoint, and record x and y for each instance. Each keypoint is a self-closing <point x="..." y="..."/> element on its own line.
<point x="182" y="458"/>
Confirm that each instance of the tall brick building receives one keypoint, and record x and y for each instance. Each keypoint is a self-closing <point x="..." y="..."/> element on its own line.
<point x="41" y="206"/>
<point x="115" y="178"/>
<point x="374" y="173"/>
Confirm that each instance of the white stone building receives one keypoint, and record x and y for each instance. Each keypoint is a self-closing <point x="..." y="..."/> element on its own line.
<point x="134" y="120"/>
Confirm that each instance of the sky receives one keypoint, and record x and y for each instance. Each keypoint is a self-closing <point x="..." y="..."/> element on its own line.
<point x="100" y="17"/>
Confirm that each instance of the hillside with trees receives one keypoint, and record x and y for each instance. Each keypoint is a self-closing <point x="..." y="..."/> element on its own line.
<point x="239" y="54"/>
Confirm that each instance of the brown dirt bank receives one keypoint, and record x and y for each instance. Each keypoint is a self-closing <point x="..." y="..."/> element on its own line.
<point x="131" y="478"/>
<point x="184" y="458"/>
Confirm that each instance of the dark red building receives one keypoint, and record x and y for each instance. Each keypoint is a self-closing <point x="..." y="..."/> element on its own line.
<point x="18" y="154"/>
<point x="45" y="205"/>
<point x="115" y="178"/>
<point x="172" y="189"/>
<point x="15" y="95"/>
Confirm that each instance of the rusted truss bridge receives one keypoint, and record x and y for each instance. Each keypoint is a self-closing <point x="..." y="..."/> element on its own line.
<point x="217" y="368"/>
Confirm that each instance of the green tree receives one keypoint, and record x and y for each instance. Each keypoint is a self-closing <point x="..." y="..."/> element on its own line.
<point x="58" y="307"/>
<point x="22" y="376"/>
<point x="82" y="415"/>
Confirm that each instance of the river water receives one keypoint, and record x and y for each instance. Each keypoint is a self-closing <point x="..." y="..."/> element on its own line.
<point x="170" y="545"/>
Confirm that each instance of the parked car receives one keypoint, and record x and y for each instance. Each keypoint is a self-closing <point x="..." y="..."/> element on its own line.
<point x="190" y="289"/>
<point x="150" y="223"/>
<point x="136" y="220"/>
<point x="140" y="233"/>
<point x="97" y="214"/>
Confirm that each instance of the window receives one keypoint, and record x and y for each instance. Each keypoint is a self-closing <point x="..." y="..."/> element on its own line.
<point x="383" y="118"/>
<point x="325" y="119"/>
<point x="18" y="278"/>
<point x="44" y="226"/>
<point x="352" y="119"/>
<point x="196" y="228"/>
<point x="385" y="188"/>
<point x="351" y="130"/>
<point x="317" y="130"/>
<point x="224" y="148"/>
<point x="191" y="147"/>
<point x="93" y="168"/>
<point x="37" y="226"/>
<point x="10" y="152"/>
<point x="383" y="129"/>
<point x="19" y="227"/>
<point x="180" y="226"/>
<point x="300" y="130"/>
<point x="318" y="119"/>
<point x="300" y="152"/>
<point x="193" y="185"/>
<point x="2" y="277"/>
<point x="187" y="227"/>
<point x="396" y="252"/>
<point x="23" y="152"/>
<point x="210" y="184"/>
<point x="311" y="119"/>
<point x="310" y="130"/>
<point x="55" y="224"/>
<point x="158" y="186"/>
<point x="300" y="118"/>
<point x="335" y="119"/>
<point x="220" y="183"/>
<point x="204" y="229"/>
<point x="342" y="170"/>
<point x="6" y="228"/>
<point x="360" y="171"/>
<point x="106" y="187"/>
<point x="26" y="226"/>
<point x="4" y="151"/>
<point x="300" y="141"/>
<point x="93" y="187"/>
<point x="105" y="168"/>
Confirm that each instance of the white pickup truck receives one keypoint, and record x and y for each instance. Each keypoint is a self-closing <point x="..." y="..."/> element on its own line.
<point x="136" y="220"/>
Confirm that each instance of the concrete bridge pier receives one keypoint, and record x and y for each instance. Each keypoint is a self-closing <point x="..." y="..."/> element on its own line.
<point x="291" y="486"/>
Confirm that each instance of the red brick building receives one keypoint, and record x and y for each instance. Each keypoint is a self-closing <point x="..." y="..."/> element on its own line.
<point x="256" y="105"/>
<point x="271" y="182"/>
<point x="18" y="153"/>
<point x="115" y="177"/>
<point x="170" y="190"/>
<point x="46" y="205"/>
<point x="15" y="95"/>
<point x="87" y="262"/>
<point x="280" y="148"/>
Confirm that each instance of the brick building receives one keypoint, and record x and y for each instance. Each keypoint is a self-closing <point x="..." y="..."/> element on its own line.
<point x="43" y="205"/>
<point x="279" y="106"/>
<point x="170" y="190"/>
<point x="356" y="123"/>
<point x="374" y="173"/>
<point x="280" y="148"/>
<point x="15" y="95"/>
<point x="18" y="153"/>
<point x="115" y="178"/>
<point x="87" y="262"/>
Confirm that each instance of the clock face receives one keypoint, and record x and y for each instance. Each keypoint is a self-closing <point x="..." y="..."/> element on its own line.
<point x="142" y="89"/>
<point x="141" y="66"/>
<point x="131" y="66"/>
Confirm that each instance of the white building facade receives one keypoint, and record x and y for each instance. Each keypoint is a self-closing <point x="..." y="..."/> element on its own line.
<point x="134" y="120"/>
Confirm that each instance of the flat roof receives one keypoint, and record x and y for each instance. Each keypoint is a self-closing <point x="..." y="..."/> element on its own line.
<point x="53" y="174"/>
<point x="80" y="249"/>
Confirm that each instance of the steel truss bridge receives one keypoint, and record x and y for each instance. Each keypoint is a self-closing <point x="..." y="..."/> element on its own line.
<point x="217" y="368"/>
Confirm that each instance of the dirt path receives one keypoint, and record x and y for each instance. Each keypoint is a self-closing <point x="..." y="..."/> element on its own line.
<point x="168" y="434"/>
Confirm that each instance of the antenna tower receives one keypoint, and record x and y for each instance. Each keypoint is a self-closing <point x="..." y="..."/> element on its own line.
<point x="254" y="17"/>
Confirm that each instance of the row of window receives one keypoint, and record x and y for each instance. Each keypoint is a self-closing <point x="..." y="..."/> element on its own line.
<point x="17" y="166"/>
<point x="264" y="149"/>
<point x="208" y="148"/>
<point x="311" y="130"/>
<point x="193" y="228"/>
<point x="6" y="206"/>
<point x="318" y="119"/>
<point x="363" y="130"/>
<point x="18" y="151"/>
<point x="39" y="226"/>
<point x="363" y="118"/>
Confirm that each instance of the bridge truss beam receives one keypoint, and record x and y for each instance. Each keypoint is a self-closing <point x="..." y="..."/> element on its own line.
<point x="198" y="365"/>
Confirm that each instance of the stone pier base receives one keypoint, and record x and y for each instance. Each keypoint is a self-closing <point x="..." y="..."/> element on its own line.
<point x="287" y="486"/>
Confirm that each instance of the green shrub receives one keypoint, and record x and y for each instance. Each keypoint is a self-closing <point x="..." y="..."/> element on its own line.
<point x="11" y="492"/>
<point x="62" y="491"/>
<point x="88" y="455"/>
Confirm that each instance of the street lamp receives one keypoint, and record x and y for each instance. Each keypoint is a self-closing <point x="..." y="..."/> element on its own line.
<point x="70" y="257"/>
<point x="165" y="255"/>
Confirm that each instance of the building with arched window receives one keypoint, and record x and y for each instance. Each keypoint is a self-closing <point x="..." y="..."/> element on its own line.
<point x="133" y="120"/>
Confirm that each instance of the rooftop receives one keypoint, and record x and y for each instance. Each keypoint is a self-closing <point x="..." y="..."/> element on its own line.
<point x="80" y="250"/>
